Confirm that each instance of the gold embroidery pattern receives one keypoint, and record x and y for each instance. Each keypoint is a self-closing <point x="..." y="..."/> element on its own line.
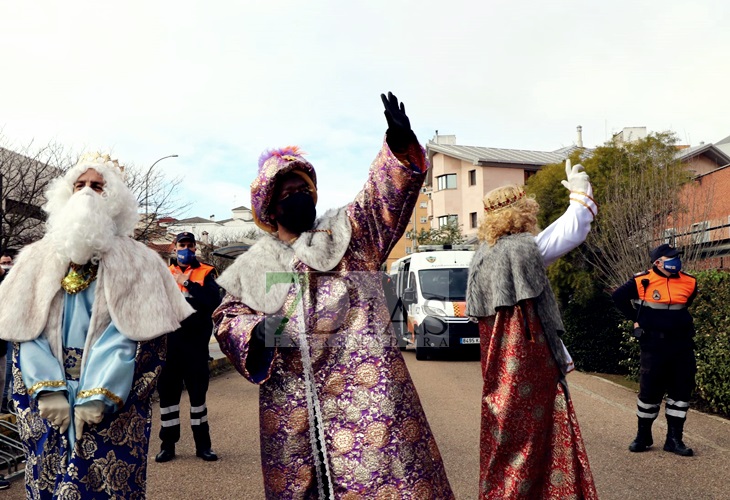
<point x="298" y="420"/>
<point x="72" y="362"/>
<point x="108" y="461"/>
<point x="46" y="383"/>
<point x="104" y="392"/>
<point x="343" y="440"/>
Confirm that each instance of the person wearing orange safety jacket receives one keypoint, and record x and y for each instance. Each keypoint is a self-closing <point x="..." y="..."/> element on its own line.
<point x="187" y="353"/>
<point x="657" y="301"/>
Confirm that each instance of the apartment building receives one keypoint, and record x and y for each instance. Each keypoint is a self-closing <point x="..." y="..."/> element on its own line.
<point x="419" y="221"/>
<point x="461" y="175"/>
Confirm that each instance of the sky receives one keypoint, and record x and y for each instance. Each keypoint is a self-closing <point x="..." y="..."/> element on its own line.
<point x="219" y="82"/>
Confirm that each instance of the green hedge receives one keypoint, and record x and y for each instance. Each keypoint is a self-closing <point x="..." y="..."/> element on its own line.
<point x="711" y="312"/>
<point x="592" y="335"/>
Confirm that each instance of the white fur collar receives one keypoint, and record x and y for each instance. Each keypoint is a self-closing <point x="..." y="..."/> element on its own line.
<point x="139" y="293"/>
<point x="320" y="250"/>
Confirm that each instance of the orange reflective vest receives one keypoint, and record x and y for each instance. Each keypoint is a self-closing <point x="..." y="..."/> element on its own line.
<point x="197" y="274"/>
<point x="665" y="292"/>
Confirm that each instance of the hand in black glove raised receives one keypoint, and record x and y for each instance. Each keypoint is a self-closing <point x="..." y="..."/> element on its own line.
<point x="267" y="328"/>
<point x="399" y="134"/>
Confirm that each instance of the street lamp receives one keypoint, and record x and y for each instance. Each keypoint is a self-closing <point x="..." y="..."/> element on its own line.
<point x="146" y="192"/>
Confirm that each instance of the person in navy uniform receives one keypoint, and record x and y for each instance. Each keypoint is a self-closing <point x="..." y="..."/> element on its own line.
<point x="657" y="301"/>
<point x="187" y="353"/>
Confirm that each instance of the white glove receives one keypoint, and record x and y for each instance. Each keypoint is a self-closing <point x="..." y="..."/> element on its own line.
<point x="577" y="179"/>
<point x="54" y="407"/>
<point x="90" y="412"/>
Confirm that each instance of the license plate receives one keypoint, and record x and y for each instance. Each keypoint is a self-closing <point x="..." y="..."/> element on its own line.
<point x="470" y="340"/>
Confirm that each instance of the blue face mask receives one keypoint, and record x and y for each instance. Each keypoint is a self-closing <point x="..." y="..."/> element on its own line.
<point x="673" y="265"/>
<point x="185" y="256"/>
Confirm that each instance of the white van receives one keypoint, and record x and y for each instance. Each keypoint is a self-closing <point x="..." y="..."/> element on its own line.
<point x="432" y="288"/>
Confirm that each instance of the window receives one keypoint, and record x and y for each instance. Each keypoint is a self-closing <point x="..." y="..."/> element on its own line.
<point x="447" y="219"/>
<point x="473" y="219"/>
<point x="447" y="181"/>
<point x="408" y="250"/>
<point x="424" y="204"/>
<point x="700" y="233"/>
<point x="424" y="220"/>
<point x="528" y="174"/>
<point x="444" y="284"/>
<point x="472" y="177"/>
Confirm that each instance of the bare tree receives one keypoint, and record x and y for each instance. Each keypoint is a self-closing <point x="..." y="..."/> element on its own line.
<point x="158" y="197"/>
<point x="644" y="202"/>
<point x="25" y="172"/>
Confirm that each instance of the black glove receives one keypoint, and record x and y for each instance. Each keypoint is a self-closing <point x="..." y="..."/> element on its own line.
<point x="399" y="134"/>
<point x="267" y="328"/>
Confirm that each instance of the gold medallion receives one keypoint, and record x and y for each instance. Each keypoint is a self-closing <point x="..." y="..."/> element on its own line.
<point x="79" y="278"/>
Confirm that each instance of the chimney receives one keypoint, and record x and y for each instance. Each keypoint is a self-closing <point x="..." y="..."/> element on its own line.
<point x="579" y="142"/>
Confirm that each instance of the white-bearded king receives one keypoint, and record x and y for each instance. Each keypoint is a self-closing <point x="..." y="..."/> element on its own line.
<point x="87" y="307"/>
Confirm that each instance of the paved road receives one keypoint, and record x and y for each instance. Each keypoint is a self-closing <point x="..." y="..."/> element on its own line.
<point x="450" y="392"/>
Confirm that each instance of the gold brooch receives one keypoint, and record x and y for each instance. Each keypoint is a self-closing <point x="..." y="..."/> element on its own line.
<point x="79" y="278"/>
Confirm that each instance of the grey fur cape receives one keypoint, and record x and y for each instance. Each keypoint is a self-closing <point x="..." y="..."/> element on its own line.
<point x="134" y="289"/>
<point x="508" y="273"/>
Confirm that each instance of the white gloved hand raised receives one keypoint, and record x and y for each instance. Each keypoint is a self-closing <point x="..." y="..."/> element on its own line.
<point x="578" y="180"/>
<point x="54" y="407"/>
<point x="91" y="412"/>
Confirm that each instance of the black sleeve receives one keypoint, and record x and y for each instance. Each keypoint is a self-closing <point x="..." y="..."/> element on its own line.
<point x="206" y="296"/>
<point x="622" y="298"/>
<point x="259" y="356"/>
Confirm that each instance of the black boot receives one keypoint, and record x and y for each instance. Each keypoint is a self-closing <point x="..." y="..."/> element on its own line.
<point x="674" y="443"/>
<point x="167" y="453"/>
<point x="643" y="437"/>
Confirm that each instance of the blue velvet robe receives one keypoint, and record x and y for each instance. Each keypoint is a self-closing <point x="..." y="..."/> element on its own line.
<point x="109" y="459"/>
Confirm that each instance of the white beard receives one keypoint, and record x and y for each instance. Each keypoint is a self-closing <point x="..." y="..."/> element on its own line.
<point x="82" y="230"/>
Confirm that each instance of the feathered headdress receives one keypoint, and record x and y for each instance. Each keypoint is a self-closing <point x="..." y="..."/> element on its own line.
<point x="273" y="164"/>
<point x="288" y="153"/>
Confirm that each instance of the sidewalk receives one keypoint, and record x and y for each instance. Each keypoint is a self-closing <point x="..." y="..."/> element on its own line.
<point x="607" y="415"/>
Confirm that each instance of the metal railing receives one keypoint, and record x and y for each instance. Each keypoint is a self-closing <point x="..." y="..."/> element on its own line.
<point x="12" y="453"/>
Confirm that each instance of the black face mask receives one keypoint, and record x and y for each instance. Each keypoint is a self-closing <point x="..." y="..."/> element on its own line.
<point x="297" y="212"/>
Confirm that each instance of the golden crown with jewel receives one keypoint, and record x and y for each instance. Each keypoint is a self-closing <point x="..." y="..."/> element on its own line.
<point x="503" y="200"/>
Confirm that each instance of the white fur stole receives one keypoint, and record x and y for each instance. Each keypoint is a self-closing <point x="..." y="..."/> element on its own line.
<point x="320" y="250"/>
<point x="134" y="289"/>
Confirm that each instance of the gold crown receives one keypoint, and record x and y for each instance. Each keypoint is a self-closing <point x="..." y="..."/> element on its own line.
<point x="99" y="158"/>
<point x="503" y="201"/>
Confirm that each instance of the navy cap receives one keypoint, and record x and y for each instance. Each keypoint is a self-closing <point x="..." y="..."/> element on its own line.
<point x="185" y="236"/>
<point x="663" y="250"/>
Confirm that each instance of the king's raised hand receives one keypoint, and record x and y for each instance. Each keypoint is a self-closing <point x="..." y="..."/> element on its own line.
<point x="399" y="134"/>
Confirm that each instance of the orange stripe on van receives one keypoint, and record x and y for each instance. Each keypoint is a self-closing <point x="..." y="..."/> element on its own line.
<point x="459" y="309"/>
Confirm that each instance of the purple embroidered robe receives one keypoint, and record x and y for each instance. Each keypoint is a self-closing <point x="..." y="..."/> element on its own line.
<point x="338" y="410"/>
